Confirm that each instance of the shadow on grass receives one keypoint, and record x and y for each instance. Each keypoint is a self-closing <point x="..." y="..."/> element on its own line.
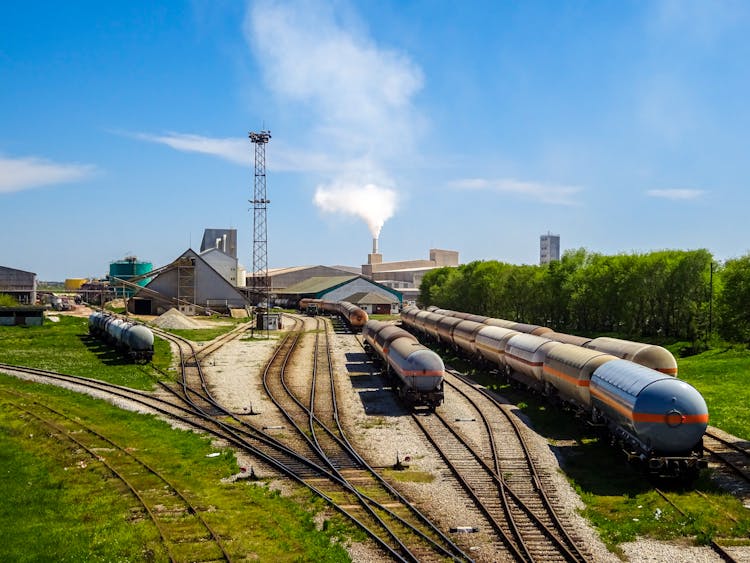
<point x="106" y="353"/>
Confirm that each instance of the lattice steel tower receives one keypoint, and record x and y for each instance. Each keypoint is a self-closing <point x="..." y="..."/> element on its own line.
<point x="260" y="287"/>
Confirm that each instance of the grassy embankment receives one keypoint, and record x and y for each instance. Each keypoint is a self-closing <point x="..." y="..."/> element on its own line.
<point x="621" y="503"/>
<point x="56" y="509"/>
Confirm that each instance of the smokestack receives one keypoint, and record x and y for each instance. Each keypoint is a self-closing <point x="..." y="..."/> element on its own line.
<point x="374" y="245"/>
<point x="224" y="249"/>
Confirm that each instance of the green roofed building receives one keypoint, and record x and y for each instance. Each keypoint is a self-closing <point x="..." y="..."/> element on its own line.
<point x="359" y="290"/>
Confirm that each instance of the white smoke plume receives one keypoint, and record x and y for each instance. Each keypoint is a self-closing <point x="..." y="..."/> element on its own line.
<point x="374" y="204"/>
<point x="356" y="94"/>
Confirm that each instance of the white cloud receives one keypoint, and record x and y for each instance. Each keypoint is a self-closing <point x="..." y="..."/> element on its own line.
<point x="241" y="151"/>
<point x="17" y="174"/>
<point x="676" y="193"/>
<point x="235" y="150"/>
<point x="554" y="194"/>
<point x="358" y="93"/>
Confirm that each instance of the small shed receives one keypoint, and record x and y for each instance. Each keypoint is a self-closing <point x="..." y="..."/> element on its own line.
<point x="374" y="303"/>
<point x="26" y="315"/>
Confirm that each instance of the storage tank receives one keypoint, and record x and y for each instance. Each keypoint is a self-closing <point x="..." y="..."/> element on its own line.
<point x="127" y="268"/>
<point x="71" y="284"/>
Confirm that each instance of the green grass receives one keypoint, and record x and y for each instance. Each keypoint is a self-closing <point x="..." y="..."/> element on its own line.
<point x="721" y="375"/>
<point x="66" y="346"/>
<point x="55" y="509"/>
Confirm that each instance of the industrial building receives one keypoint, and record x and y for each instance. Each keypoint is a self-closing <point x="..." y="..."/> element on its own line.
<point x="219" y="249"/>
<point x="191" y="285"/>
<point x="282" y="278"/>
<point x="19" y="284"/>
<point x="406" y="276"/>
<point x="370" y="296"/>
<point x="549" y="248"/>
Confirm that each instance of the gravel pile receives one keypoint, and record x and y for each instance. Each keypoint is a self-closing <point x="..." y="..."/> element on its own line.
<point x="174" y="319"/>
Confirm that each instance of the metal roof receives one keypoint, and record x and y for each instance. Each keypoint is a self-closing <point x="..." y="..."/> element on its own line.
<point x="370" y="298"/>
<point x="316" y="284"/>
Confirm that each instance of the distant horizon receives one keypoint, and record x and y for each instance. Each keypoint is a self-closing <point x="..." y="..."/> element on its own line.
<point x="620" y="126"/>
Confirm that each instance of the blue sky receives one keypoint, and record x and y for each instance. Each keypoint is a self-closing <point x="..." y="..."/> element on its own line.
<point x="476" y="127"/>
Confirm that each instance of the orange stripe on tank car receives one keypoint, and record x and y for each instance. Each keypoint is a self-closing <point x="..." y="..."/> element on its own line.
<point x="413" y="372"/>
<point x="523" y="361"/>
<point x="647" y="417"/>
<point x="667" y="371"/>
<point x="566" y="377"/>
<point x="686" y="418"/>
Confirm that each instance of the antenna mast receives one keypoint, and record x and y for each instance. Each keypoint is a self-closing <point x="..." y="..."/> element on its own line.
<point x="261" y="288"/>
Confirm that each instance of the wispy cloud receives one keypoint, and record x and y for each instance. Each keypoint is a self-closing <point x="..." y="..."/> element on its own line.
<point x="359" y="95"/>
<point x="233" y="149"/>
<point x="17" y="174"/>
<point x="239" y="150"/>
<point x="553" y="194"/>
<point x="676" y="193"/>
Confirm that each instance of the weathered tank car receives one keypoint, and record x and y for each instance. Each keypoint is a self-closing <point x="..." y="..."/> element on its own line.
<point x="354" y="316"/>
<point x="136" y="340"/>
<point x="417" y="371"/>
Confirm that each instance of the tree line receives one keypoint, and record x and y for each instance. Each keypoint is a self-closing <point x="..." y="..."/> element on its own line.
<point x="669" y="294"/>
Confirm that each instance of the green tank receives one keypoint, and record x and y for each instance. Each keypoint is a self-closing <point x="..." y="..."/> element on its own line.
<point x="127" y="268"/>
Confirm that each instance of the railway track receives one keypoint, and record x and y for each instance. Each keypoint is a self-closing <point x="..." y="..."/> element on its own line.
<point x="184" y="532"/>
<point x="497" y="470"/>
<point x="309" y="405"/>
<point x="732" y="457"/>
<point x="719" y="550"/>
<point x="380" y="512"/>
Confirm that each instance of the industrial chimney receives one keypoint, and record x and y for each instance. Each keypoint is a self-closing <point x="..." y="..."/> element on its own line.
<point x="375" y="257"/>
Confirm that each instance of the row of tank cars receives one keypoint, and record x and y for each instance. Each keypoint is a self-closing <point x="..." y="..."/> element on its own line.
<point x="136" y="340"/>
<point x="627" y="387"/>
<point x="416" y="370"/>
<point x="354" y="316"/>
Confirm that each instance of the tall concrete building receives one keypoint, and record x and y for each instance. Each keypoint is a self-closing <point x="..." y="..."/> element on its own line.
<point x="549" y="248"/>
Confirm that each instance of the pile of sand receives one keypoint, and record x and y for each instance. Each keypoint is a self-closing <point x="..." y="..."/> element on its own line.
<point x="174" y="319"/>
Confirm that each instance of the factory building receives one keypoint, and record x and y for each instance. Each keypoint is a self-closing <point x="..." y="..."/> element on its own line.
<point x="549" y="248"/>
<point x="189" y="284"/>
<point x="19" y="284"/>
<point x="221" y="239"/>
<point x="359" y="290"/>
<point x="406" y="276"/>
<point x="219" y="249"/>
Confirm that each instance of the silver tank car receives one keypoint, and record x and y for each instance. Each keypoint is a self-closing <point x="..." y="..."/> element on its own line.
<point x="139" y="341"/>
<point x="655" y="414"/>
<point x="649" y="355"/>
<point x="568" y="338"/>
<point x="567" y="373"/>
<point x="465" y="334"/>
<point x="445" y="326"/>
<point x="490" y="342"/>
<point x="418" y="371"/>
<point x="524" y="356"/>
